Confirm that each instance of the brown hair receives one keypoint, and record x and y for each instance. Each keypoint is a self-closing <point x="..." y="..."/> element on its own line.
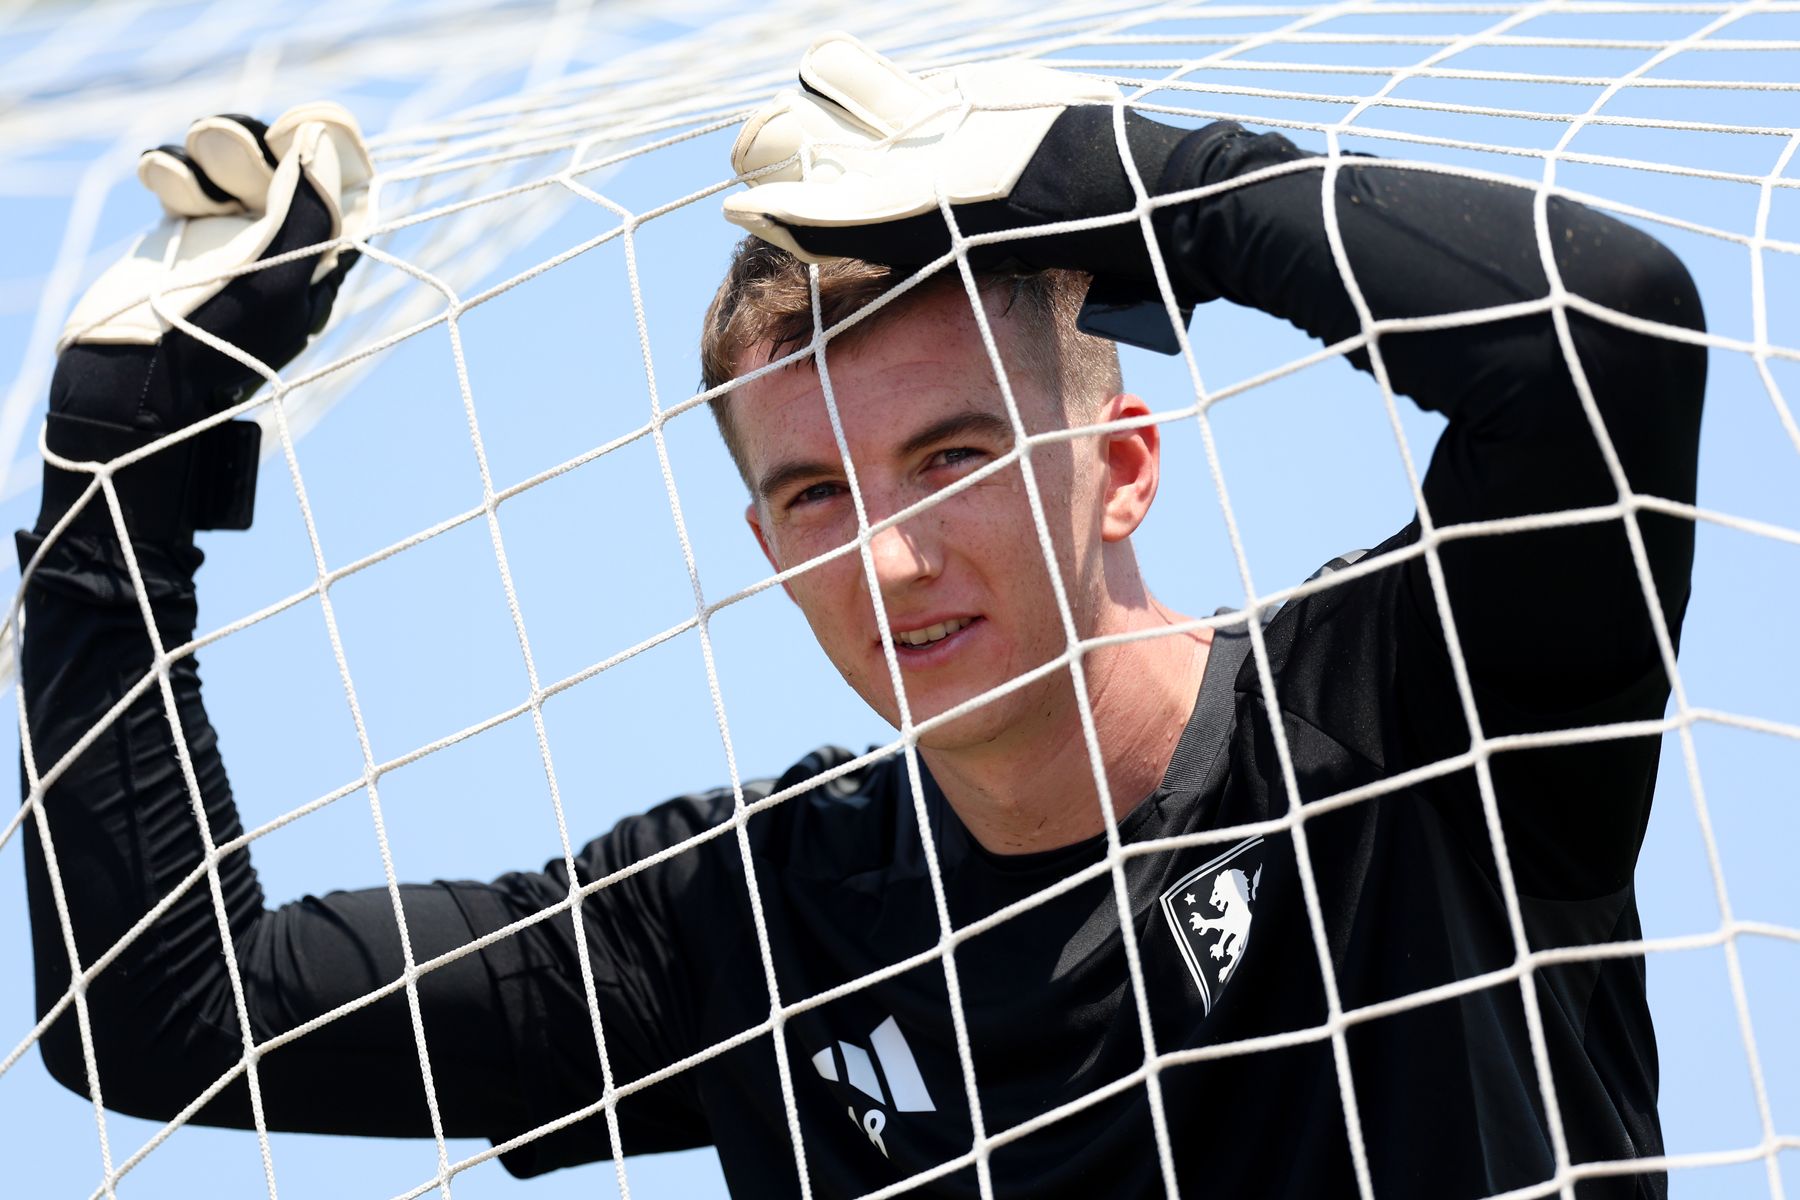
<point x="764" y="306"/>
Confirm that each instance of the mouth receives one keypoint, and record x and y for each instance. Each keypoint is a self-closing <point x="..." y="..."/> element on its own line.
<point x="927" y="637"/>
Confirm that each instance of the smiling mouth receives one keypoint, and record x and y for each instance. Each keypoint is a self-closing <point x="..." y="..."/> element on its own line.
<point x="915" y="639"/>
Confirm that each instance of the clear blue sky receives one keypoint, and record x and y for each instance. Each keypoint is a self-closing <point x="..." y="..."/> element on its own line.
<point x="554" y="366"/>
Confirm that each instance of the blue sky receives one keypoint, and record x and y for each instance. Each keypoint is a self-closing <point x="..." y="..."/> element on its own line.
<point x="554" y="369"/>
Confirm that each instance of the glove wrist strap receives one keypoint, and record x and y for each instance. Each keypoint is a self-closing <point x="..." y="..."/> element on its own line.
<point x="207" y="481"/>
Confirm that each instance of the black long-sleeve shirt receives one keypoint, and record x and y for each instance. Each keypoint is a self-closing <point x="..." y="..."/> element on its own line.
<point x="1556" y="634"/>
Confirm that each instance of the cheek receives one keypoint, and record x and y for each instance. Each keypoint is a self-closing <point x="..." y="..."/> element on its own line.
<point x="1072" y="515"/>
<point x="1002" y="545"/>
<point x="829" y="597"/>
<point x="1000" y="522"/>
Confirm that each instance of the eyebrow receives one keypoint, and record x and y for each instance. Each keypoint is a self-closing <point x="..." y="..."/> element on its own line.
<point x="960" y="425"/>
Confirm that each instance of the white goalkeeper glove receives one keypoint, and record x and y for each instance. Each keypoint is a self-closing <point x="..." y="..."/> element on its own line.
<point x="1011" y="146"/>
<point x="883" y="141"/>
<point x="227" y="193"/>
<point x="235" y="194"/>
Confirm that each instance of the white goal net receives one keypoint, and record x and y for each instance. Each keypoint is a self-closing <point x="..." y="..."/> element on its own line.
<point x="499" y="593"/>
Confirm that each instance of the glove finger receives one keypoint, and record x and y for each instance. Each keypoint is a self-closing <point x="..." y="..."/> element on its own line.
<point x="354" y="167"/>
<point x="231" y="150"/>
<point x="777" y="133"/>
<point x="184" y="189"/>
<point x="778" y="212"/>
<point x="942" y="81"/>
<point x="870" y="87"/>
<point x="1014" y="85"/>
<point x="847" y="200"/>
<point x="325" y="144"/>
<point x="762" y="225"/>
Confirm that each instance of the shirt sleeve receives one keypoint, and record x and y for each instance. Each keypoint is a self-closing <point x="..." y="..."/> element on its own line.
<point x="163" y="1012"/>
<point x="1553" y="624"/>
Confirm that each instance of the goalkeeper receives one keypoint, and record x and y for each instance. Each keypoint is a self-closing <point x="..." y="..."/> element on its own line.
<point x="1552" y="625"/>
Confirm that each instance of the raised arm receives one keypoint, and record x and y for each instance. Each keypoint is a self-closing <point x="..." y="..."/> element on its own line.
<point x="1553" y="623"/>
<point x="1564" y="606"/>
<point x="1013" y="148"/>
<point x="164" y="1014"/>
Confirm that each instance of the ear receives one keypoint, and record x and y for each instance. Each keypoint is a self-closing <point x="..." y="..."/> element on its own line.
<point x="753" y="518"/>
<point x="1132" y="462"/>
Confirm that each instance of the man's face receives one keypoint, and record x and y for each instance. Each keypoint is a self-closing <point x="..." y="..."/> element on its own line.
<point x="964" y="583"/>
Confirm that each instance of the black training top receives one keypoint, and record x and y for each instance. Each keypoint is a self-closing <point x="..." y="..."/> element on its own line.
<point x="1555" y="634"/>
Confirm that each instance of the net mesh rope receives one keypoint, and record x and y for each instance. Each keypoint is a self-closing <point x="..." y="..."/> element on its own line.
<point x="562" y="135"/>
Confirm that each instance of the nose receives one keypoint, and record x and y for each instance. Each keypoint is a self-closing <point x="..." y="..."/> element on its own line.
<point x="905" y="556"/>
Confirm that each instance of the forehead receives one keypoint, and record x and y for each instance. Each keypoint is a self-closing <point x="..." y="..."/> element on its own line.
<point x="917" y="362"/>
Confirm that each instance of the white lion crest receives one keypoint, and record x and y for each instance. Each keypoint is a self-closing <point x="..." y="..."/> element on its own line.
<point x="1231" y="894"/>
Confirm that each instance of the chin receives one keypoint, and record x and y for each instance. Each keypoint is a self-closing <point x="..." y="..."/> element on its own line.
<point x="978" y="727"/>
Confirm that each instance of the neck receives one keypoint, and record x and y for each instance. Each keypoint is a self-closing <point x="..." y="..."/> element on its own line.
<point x="1034" y="789"/>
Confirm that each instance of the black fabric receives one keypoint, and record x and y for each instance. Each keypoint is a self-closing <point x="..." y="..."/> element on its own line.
<point x="1406" y="884"/>
<point x="206" y="482"/>
<point x="1074" y="173"/>
<point x="1199" y="752"/>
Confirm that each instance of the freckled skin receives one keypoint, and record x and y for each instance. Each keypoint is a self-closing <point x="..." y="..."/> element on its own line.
<point x="1016" y="768"/>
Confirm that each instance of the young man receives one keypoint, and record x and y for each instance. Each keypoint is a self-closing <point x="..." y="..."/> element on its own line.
<point x="1248" y="1087"/>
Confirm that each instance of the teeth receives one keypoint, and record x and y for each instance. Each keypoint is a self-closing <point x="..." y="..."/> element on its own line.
<point x="933" y="633"/>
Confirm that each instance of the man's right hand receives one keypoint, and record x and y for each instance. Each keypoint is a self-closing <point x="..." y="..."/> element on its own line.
<point x="853" y="164"/>
<point x="235" y="194"/>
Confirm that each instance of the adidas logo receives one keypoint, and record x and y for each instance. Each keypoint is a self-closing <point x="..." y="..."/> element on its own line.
<point x="888" y="1061"/>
